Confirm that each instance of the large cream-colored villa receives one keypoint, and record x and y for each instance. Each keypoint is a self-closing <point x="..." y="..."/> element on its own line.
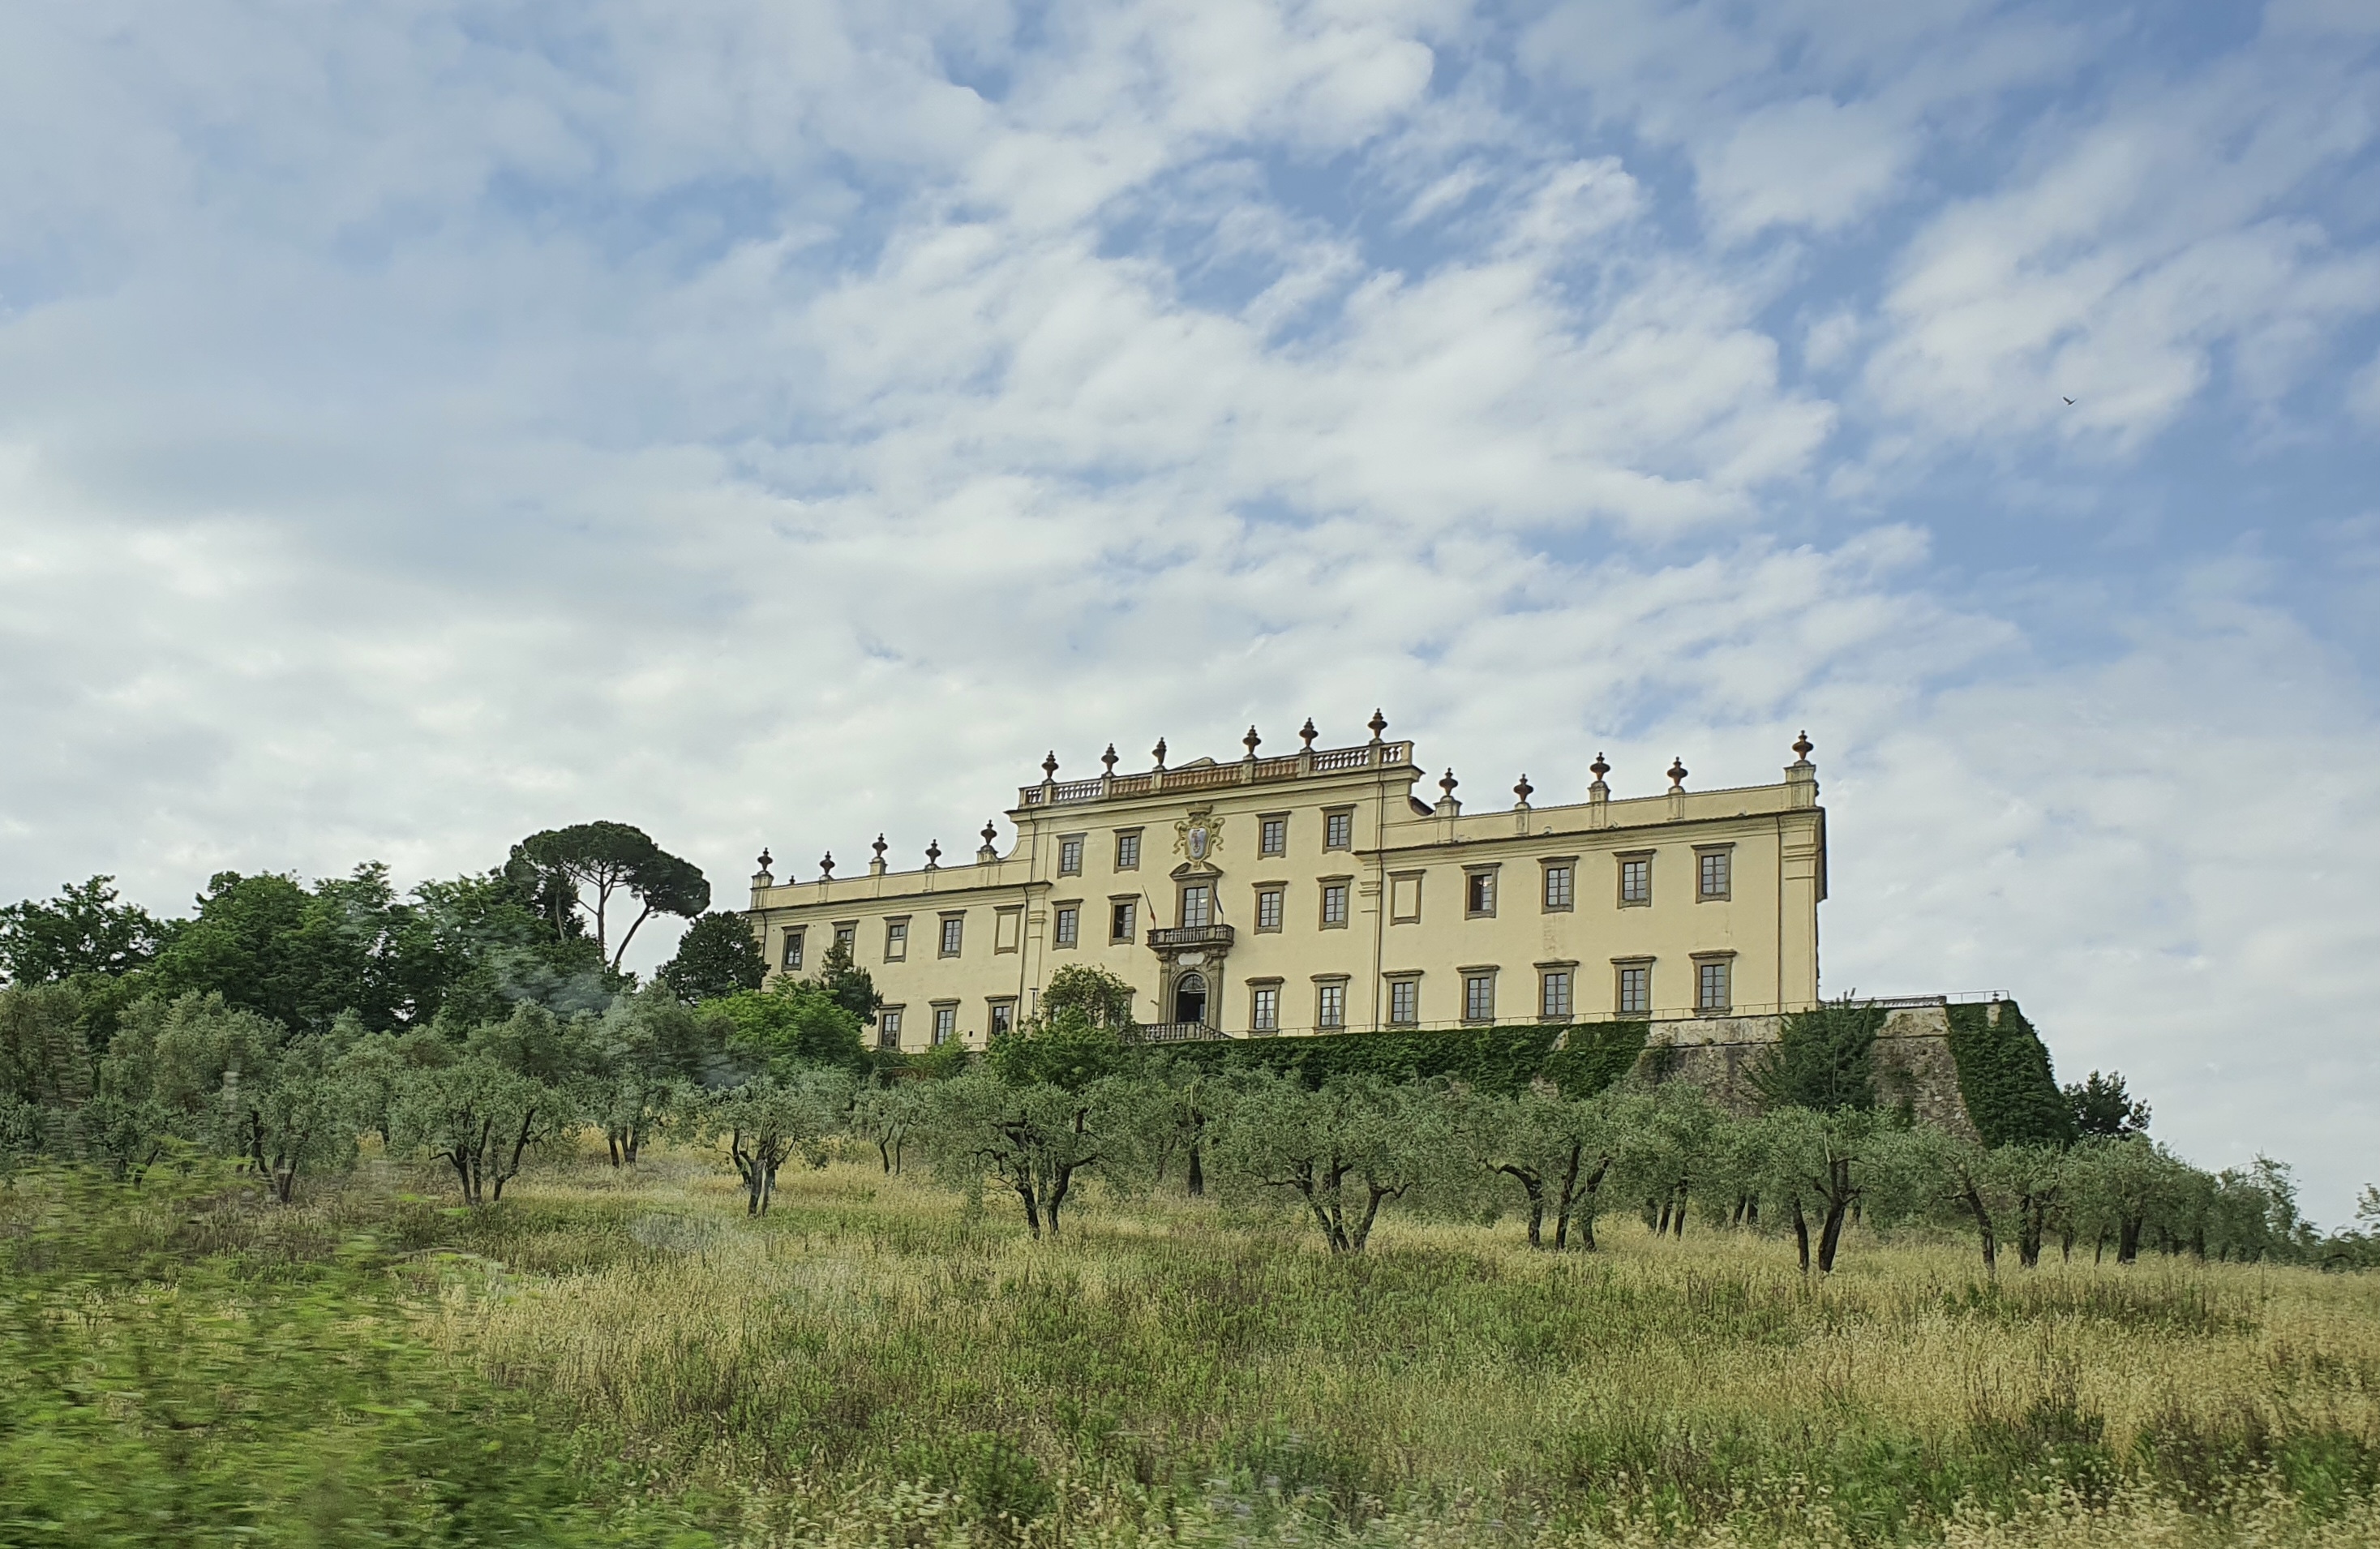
<point x="1314" y="893"/>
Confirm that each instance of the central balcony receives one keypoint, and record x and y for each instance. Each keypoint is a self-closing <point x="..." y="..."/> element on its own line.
<point x="1174" y="1033"/>
<point x="1181" y="938"/>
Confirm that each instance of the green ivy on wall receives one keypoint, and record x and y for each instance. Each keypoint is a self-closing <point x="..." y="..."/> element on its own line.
<point x="1580" y="1059"/>
<point x="2005" y="1077"/>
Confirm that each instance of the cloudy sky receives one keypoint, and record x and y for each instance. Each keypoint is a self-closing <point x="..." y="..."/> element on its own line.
<point x="777" y="423"/>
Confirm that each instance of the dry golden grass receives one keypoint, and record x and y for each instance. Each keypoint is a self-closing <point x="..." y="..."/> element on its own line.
<point x="1169" y="1363"/>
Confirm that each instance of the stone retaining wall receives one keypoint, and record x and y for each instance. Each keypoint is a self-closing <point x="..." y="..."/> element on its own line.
<point x="1913" y="1061"/>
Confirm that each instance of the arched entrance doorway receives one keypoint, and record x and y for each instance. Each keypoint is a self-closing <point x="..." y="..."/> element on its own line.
<point x="1190" y="998"/>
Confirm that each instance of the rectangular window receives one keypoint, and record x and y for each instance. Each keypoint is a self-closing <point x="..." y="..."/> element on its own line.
<point x="954" y="934"/>
<point x="1479" y="997"/>
<point x="1635" y="989"/>
<point x="1330" y="1006"/>
<point x="1128" y="851"/>
<point x="1264" y="1009"/>
<point x="1008" y="930"/>
<point x="1119" y="921"/>
<point x="896" y="940"/>
<point x="847" y="938"/>
<point x="1479" y="893"/>
<point x="1334" y="905"/>
<point x="888" y="1027"/>
<point x="1269" y="909"/>
<point x="1272" y="836"/>
<point x="1070" y="854"/>
<point x="1636" y="880"/>
<point x="946" y="1023"/>
<point x="1405" y="900"/>
<point x="1198" y="907"/>
<point x="1553" y="997"/>
<point x="1338" y="829"/>
<point x="1404" y="1001"/>
<point x="1710" y="985"/>
<point x="1070" y="924"/>
<point x="1560" y="886"/>
<point x="1003" y="1016"/>
<point x="1711" y="872"/>
<point x="792" y="949"/>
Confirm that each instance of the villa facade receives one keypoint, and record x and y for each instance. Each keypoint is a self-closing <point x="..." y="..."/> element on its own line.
<point x="1314" y="892"/>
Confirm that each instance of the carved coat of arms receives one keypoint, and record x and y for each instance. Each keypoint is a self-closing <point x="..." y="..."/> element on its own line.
<point x="1198" y="835"/>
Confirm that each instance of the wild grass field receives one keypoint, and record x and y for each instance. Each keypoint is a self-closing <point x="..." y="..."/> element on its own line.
<point x="624" y="1357"/>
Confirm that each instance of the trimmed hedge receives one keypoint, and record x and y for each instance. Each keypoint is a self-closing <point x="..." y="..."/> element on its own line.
<point x="1581" y="1058"/>
<point x="2005" y="1077"/>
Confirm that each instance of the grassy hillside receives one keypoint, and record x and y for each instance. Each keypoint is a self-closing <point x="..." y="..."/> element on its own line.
<point x="624" y="1358"/>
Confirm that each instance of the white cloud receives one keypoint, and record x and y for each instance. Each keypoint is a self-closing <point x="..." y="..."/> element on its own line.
<point x="2113" y="272"/>
<point x="2363" y="393"/>
<point x="411" y="435"/>
<point x="1813" y="162"/>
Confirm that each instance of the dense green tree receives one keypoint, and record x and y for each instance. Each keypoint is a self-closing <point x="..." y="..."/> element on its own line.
<point x="84" y="930"/>
<point x="557" y="865"/>
<point x="1063" y="1048"/>
<point x="794" y="1023"/>
<point x="717" y="955"/>
<point x="43" y="1061"/>
<point x="1091" y="994"/>
<point x="2102" y="1107"/>
<point x="847" y="985"/>
<point x="470" y="947"/>
<point x="1824" y="1059"/>
<point x="266" y="944"/>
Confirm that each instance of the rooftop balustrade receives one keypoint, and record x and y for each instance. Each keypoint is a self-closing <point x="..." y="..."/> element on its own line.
<point x="1249" y="771"/>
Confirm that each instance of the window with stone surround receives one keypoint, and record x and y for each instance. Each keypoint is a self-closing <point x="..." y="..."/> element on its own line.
<point x="1633" y="980"/>
<point x="1636" y="880"/>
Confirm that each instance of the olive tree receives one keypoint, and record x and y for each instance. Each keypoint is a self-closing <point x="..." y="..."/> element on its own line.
<point x="885" y="1117"/>
<point x="643" y="1054"/>
<point x="1822" y="1162"/>
<point x="1556" y="1151"/>
<point x="241" y="1084"/>
<point x="482" y="1106"/>
<point x="1036" y="1139"/>
<point x="766" y="1121"/>
<point x="1343" y="1151"/>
